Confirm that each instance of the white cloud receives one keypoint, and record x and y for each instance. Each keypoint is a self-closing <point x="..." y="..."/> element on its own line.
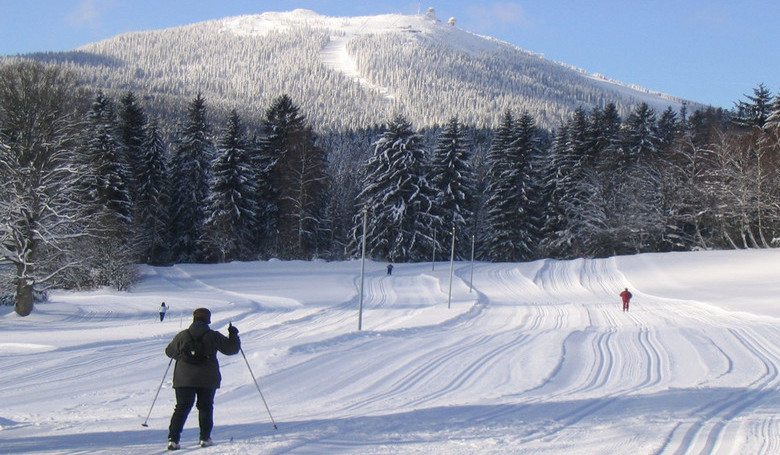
<point x="498" y="14"/>
<point x="88" y="13"/>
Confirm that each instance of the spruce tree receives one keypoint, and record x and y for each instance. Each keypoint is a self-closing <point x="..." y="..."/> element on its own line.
<point x="528" y="158"/>
<point x="452" y="182"/>
<point x="571" y="191"/>
<point x="640" y="136"/>
<point x="498" y="190"/>
<point x="773" y="120"/>
<point x="106" y="179"/>
<point x="637" y="218"/>
<point x="152" y="199"/>
<point x="132" y="136"/>
<point x="189" y="166"/>
<point x="756" y="110"/>
<point x="555" y="217"/>
<point x="282" y="120"/>
<point x="230" y="206"/>
<point x="264" y="226"/>
<point x="605" y="132"/>
<point x="510" y="212"/>
<point x="105" y="186"/>
<point x="397" y="197"/>
<point x="668" y="127"/>
<point x="299" y="180"/>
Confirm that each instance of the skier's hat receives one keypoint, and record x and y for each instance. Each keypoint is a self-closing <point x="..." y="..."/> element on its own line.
<point x="202" y="314"/>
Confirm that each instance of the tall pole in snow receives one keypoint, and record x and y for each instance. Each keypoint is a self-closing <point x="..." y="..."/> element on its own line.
<point x="433" y="258"/>
<point x="452" y="267"/>
<point x="362" y="272"/>
<point x="471" y="280"/>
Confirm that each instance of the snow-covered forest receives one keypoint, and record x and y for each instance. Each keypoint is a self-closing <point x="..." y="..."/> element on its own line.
<point x="97" y="177"/>
<point x="92" y="186"/>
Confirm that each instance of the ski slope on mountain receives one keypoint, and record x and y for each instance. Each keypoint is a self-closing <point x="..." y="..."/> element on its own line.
<point x="531" y="358"/>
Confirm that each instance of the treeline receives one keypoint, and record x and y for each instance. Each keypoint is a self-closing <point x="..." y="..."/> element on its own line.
<point x="92" y="185"/>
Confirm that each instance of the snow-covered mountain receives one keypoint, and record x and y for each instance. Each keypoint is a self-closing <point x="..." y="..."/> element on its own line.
<point x="347" y="72"/>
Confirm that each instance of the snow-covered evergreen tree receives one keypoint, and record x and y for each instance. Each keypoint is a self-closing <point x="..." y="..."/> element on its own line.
<point x="190" y="163"/>
<point x="668" y="127"/>
<point x="397" y="197"/>
<point x="106" y="178"/>
<point x="230" y="206"/>
<point x="511" y="214"/>
<point x="756" y="110"/>
<point x="106" y="191"/>
<point x="773" y="120"/>
<point x="299" y="178"/>
<point x="132" y="136"/>
<point x="498" y="189"/>
<point x="640" y="136"/>
<point x="452" y="182"/>
<point x="264" y="225"/>
<point x="152" y="199"/>
<point x="605" y="136"/>
<point x="571" y="191"/>
<point x="282" y="118"/>
<point x="600" y="177"/>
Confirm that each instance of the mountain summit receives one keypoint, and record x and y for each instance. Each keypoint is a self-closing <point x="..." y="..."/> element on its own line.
<point x="347" y="72"/>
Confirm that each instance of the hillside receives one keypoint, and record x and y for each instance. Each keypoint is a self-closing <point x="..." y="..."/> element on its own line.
<point x="349" y="72"/>
<point x="532" y="358"/>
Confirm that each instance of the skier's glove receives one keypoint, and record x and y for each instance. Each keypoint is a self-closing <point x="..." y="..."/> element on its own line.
<point x="232" y="330"/>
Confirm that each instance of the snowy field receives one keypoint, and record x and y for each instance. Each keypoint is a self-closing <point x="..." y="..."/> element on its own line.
<point x="536" y="358"/>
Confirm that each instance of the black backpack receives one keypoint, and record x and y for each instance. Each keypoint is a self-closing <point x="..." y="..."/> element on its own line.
<point x="194" y="351"/>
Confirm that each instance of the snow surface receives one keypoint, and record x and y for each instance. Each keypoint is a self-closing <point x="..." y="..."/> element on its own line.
<point x="536" y="358"/>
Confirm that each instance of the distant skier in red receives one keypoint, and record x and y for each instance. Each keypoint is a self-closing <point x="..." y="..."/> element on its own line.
<point x="626" y="296"/>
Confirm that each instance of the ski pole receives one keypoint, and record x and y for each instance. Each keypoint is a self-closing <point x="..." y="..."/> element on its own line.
<point x="258" y="388"/>
<point x="156" y="394"/>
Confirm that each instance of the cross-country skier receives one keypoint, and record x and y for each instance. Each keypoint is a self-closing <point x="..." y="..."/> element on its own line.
<point x="198" y="377"/>
<point x="163" y="309"/>
<point x="389" y="269"/>
<point x="626" y="296"/>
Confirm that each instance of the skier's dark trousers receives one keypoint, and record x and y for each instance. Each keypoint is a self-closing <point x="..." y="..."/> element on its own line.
<point x="198" y="378"/>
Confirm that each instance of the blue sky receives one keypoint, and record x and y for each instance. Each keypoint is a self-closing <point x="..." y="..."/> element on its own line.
<point x="712" y="52"/>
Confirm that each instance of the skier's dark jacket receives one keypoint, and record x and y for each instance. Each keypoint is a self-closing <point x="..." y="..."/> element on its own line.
<point x="205" y="375"/>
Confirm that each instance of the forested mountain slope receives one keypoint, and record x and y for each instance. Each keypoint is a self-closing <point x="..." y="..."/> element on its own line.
<point x="348" y="73"/>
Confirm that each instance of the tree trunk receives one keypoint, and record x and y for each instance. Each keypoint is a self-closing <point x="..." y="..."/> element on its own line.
<point x="23" y="302"/>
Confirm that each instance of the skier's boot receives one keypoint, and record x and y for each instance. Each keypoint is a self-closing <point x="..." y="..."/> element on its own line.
<point x="206" y="442"/>
<point x="173" y="445"/>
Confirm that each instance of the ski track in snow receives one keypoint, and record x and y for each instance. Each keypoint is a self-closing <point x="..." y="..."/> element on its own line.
<point x="336" y="57"/>
<point x="534" y="358"/>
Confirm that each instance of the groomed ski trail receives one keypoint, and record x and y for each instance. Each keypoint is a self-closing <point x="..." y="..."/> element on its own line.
<point x="532" y="358"/>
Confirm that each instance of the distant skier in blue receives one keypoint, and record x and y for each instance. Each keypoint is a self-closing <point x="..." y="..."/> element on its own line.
<point x="389" y="269"/>
<point x="163" y="309"/>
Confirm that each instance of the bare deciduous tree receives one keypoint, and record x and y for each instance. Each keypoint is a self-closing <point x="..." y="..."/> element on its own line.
<point x="38" y="118"/>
